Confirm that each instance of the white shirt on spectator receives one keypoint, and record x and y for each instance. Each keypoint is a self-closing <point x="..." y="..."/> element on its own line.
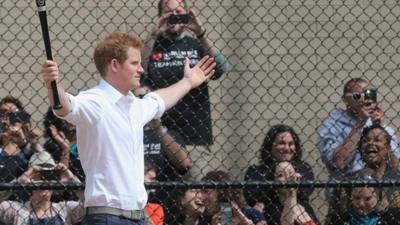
<point x="109" y="129"/>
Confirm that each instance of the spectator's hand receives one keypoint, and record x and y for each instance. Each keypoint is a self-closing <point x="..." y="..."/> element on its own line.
<point x="239" y="216"/>
<point x="50" y="72"/>
<point x="34" y="135"/>
<point x="365" y="111"/>
<point x="30" y="176"/>
<point x="216" y="219"/>
<point x="194" y="24"/>
<point x="377" y="116"/>
<point x="14" y="135"/>
<point x="60" y="138"/>
<point x="201" y="72"/>
<point x="155" y="124"/>
<point x="66" y="174"/>
<point x="161" y="24"/>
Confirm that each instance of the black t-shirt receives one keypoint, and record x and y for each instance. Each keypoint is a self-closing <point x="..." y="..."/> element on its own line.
<point x="154" y="149"/>
<point x="191" y="116"/>
<point x="11" y="167"/>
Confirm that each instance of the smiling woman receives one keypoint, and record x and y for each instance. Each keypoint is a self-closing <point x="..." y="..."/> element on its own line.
<point x="376" y="150"/>
<point x="281" y="143"/>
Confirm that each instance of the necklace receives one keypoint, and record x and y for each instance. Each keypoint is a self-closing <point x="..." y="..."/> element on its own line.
<point x="37" y="217"/>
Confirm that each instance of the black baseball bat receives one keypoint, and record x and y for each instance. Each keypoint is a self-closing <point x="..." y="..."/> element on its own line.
<point x="41" y="5"/>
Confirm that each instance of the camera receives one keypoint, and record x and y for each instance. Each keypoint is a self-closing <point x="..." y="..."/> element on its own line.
<point x="178" y="19"/>
<point x="19" y="117"/>
<point x="50" y="174"/>
<point x="370" y="94"/>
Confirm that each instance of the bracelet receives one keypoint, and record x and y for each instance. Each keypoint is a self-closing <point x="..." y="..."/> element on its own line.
<point x="202" y="34"/>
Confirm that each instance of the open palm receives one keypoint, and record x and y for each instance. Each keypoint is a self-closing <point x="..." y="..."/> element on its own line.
<point x="201" y="72"/>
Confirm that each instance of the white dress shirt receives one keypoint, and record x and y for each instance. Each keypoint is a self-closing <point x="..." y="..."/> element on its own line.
<point x="109" y="129"/>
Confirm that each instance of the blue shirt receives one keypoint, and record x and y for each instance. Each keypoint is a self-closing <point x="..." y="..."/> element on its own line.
<point x="332" y="133"/>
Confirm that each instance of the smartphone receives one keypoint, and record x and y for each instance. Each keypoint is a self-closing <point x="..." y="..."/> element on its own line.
<point x="178" y="19"/>
<point x="50" y="174"/>
<point x="370" y="94"/>
<point x="226" y="213"/>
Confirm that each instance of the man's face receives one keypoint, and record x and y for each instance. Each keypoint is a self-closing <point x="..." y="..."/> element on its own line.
<point x="173" y="7"/>
<point x="374" y="147"/>
<point x="130" y="70"/>
<point x="355" y="104"/>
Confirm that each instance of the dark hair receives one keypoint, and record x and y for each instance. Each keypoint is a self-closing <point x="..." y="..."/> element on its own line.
<point x="366" y="131"/>
<point x="225" y="194"/>
<point x="176" y="211"/>
<point x="13" y="100"/>
<point x="51" y="119"/>
<point x="273" y="132"/>
<point x="349" y="84"/>
<point x="149" y="165"/>
<point x="161" y="2"/>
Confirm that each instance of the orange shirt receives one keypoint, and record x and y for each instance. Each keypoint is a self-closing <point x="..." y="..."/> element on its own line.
<point x="155" y="212"/>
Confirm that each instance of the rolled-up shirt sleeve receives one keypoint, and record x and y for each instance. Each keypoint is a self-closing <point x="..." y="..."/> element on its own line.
<point x="86" y="108"/>
<point x="154" y="105"/>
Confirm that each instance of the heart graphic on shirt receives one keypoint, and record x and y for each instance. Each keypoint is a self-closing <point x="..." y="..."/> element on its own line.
<point x="157" y="56"/>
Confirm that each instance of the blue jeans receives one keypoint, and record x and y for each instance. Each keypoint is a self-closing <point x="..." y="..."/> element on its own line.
<point x="105" y="219"/>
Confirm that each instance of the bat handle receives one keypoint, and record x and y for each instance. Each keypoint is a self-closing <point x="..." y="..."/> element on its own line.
<point x="56" y="97"/>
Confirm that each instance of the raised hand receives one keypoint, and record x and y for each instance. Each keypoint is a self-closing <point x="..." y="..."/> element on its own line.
<point x="161" y="24"/>
<point x="59" y="137"/>
<point x="50" y="72"/>
<point x="66" y="174"/>
<point x="194" y="24"/>
<point x="201" y="72"/>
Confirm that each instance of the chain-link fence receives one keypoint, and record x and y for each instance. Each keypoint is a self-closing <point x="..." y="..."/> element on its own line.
<point x="283" y="62"/>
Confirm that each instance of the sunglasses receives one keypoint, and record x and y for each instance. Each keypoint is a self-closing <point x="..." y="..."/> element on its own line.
<point x="356" y="96"/>
<point x="369" y="94"/>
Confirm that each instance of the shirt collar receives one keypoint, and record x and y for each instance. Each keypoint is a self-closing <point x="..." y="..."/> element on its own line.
<point x="113" y="94"/>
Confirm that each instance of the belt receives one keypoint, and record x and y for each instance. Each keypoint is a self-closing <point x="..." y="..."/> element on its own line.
<point x="128" y="214"/>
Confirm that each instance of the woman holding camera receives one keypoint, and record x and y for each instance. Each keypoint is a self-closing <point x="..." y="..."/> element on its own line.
<point x="40" y="209"/>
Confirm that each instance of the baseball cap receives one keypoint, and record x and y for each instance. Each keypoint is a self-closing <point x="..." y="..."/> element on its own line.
<point x="42" y="158"/>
